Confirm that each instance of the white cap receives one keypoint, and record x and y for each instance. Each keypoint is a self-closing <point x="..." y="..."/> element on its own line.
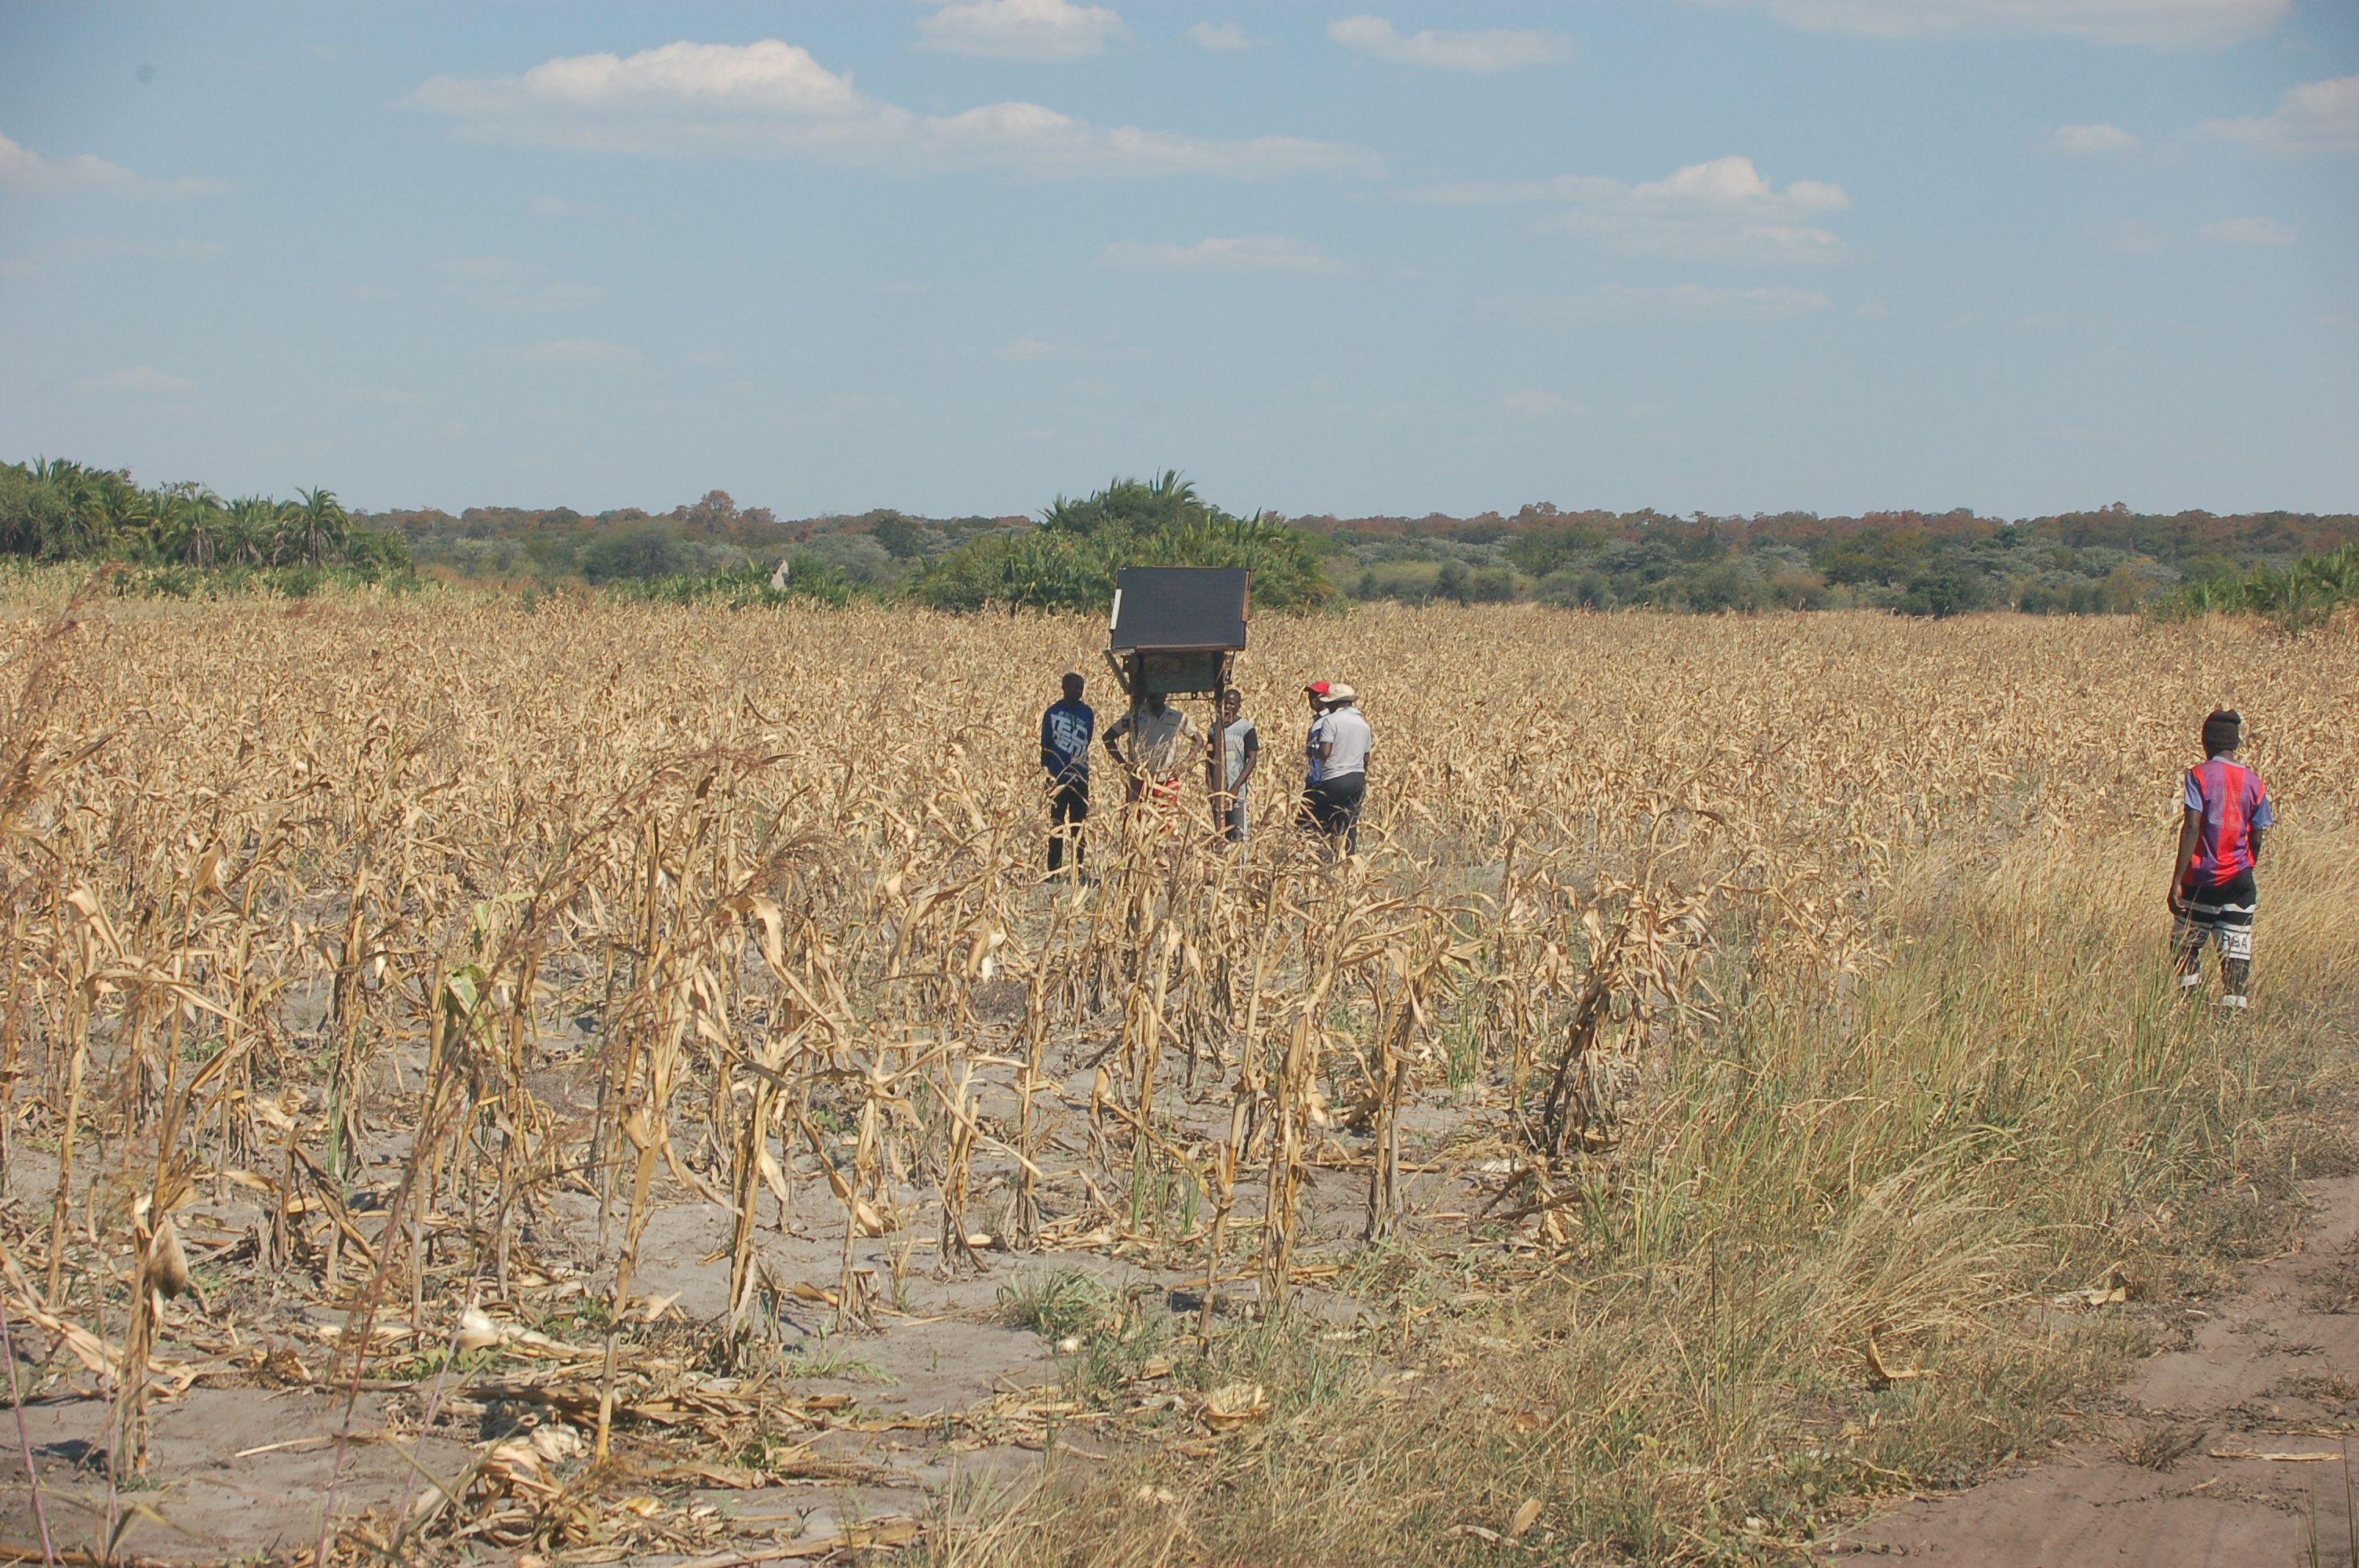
<point x="1340" y="693"/>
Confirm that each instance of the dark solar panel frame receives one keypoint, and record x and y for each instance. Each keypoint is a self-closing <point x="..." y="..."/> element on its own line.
<point x="1175" y="608"/>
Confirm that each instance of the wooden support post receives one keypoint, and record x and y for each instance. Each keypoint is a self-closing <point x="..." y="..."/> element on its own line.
<point x="1216" y="762"/>
<point x="1135" y="785"/>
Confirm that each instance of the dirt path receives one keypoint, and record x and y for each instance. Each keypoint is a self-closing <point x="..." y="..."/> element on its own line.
<point x="2272" y="1370"/>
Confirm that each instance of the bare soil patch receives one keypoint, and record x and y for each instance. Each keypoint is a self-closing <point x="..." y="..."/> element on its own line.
<point x="2235" y="1449"/>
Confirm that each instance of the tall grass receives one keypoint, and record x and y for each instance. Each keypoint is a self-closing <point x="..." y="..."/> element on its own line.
<point x="1843" y="1260"/>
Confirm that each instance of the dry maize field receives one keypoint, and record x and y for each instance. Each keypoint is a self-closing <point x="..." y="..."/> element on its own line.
<point x="599" y="1083"/>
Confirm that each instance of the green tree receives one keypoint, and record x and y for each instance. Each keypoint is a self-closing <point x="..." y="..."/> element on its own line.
<point x="317" y="525"/>
<point x="903" y="540"/>
<point x="648" y="551"/>
<point x="251" y="530"/>
<point x="191" y="525"/>
<point x="101" y="505"/>
<point x="1940" y="594"/>
<point x="35" y="515"/>
<point x="1070" y="560"/>
<point x="1547" y="550"/>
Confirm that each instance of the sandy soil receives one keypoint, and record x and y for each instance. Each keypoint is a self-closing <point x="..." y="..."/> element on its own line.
<point x="2272" y="1371"/>
<point x="931" y="1404"/>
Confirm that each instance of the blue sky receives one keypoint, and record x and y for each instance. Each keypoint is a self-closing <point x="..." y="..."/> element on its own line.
<point x="1734" y="255"/>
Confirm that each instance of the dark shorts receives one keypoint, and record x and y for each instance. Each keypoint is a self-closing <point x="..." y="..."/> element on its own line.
<point x="2220" y="912"/>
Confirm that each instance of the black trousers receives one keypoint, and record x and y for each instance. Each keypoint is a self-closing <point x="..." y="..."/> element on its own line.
<point x="1331" y="806"/>
<point x="1068" y="807"/>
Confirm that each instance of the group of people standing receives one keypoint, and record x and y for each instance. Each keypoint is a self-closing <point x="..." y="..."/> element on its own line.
<point x="1165" y="743"/>
<point x="2224" y="818"/>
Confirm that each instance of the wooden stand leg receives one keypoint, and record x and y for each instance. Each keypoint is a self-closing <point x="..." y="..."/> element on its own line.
<point x="1216" y="762"/>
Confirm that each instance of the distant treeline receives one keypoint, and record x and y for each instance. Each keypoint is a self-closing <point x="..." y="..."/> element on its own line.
<point x="872" y="552"/>
<point x="184" y="533"/>
<point x="716" y="549"/>
<point x="2108" y="561"/>
<point x="2289" y="566"/>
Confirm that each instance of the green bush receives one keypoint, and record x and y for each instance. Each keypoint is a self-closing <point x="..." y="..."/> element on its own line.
<point x="1071" y="559"/>
<point x="2309" y="591"/>
<point x="807" y="579"/>
<point x="644" y="553"/>
<point x="1940" y="594"/>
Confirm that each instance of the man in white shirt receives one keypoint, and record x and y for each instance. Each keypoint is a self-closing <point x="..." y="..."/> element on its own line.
<point x="1166" y="743"/>
<point x="1339" y="743"/>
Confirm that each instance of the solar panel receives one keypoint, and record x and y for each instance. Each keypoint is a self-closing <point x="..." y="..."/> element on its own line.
<point x="1179" y="608"/>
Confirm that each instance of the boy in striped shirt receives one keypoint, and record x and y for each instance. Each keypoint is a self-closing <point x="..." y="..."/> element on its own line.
<point x="2220" y="830"/>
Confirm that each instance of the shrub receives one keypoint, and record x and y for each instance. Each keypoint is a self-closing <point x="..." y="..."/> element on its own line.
<point x="1940" y="594"/>
<point x="651" y="551"/>
<point x="1071" y="559"/>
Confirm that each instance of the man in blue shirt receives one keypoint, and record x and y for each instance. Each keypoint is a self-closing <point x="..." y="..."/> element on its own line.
<point x="1066" y="731"/>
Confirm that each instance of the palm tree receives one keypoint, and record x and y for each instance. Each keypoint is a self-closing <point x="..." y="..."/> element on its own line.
<point x="100" y="504"/>
<point x="251" y="531"/>
<point x="1160" y="505"/>
<point x="190" y="524"/>
<point x="319" y="524"/>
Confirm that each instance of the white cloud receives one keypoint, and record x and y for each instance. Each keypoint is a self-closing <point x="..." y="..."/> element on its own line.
<point x="2246" y="232"/>
<point x="1251" y="253"/>
<point x="1695" y="302"/>
<point x="1223" y="38"/>
<point x="1732" y="184"/>
<point x="2315" y="117"/>
<point x="1021" y="29"/>
<point x="139" y="378"/>
<point x="498" y="284"/>
<point x="1720" y="211"/>
<point x="1035" y="140"/>
<point x="382" y="396"/>
<point x="2161" y="23"/>
<point x="2131" y="238"/>
<point x="2093" y="139"/>
<point x="772" y="100"/>
<point x="1492" y="49"/>
<point x="1541" y="405"/>
<point x="576" y="352"/>
<point x="1672" y="302"/>
<point x="709" y="82"/>
<point x="152" y="249"/>
<point x="1028" y="348"/>
<point x="24" y="172"/>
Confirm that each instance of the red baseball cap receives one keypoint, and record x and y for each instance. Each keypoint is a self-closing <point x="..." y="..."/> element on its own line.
<point x="1316" y="688"/>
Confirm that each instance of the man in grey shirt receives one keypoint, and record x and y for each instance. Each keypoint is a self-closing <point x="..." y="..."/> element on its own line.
<point x="1240" y="755"/>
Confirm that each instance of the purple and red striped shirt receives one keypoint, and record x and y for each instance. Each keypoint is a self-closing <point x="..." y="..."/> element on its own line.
<point x="2232" y="801"/>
